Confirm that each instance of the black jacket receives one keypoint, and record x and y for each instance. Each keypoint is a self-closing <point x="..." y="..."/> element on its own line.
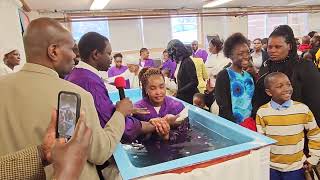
<point x="187" y="80"/>
<point x="305" y="79"/>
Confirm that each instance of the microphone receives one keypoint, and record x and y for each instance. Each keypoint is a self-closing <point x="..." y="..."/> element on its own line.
<point x="120" y="84"/>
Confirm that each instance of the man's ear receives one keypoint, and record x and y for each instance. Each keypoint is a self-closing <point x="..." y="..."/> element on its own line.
<point x="52" y="51"/>
<point x="268" y="92"/>
<point x="95" y="54"/>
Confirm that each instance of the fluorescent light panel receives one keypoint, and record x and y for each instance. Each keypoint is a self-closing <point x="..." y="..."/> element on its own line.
<point x="216" y="3"/>
<point x="99" y="4"/>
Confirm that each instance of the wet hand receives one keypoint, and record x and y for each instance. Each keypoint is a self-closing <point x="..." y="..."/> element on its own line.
<point x="162" y="127"/>
<point x="171" y="119"/>
<point x="125" y="107"/>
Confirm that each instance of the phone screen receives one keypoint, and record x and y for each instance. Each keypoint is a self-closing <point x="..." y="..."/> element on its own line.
<point x="67" y="115"/>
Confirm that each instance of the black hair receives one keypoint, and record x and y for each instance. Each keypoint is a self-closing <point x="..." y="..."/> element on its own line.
<point x="217" y="43"/>
<point x="165" y="51"/>
<point x="177" y="50"/>
<point x="117" y="55"/>
<point x="264" y="41"/>
<point x="232" y="41"/>
<point x="143" y="50"/>
<point x="199" y="95"/>
<point x="145" y="74"/>
<point x="259" y="39"/>
<point x="286" y="32"/>
<point x="268" y="78"/>
<point x="89" y="42"/>
<point x="311" y="34"/>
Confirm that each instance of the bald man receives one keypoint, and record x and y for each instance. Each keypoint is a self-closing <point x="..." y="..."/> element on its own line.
<point x="197" y="52"/>
<point x="28" y="97"/>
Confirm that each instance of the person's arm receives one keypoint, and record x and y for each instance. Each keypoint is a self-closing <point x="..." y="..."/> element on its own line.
<point x="310" y="78"/>
<point x="204" y="72"/>
<point x="222" y="94"/>
<point x="24" y="164"/>
<point x="261" y="126"/>
<point x="190" y="73"/>
<point x="314" y="139"/>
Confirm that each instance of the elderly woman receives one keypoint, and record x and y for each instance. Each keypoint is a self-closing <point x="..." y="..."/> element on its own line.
<point x="10" y="60"/>
<point x="304" y="76"/>
<point x="185" y="73"/>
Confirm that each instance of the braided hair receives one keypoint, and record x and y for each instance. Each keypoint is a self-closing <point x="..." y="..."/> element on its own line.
<point x="145" y="74"/>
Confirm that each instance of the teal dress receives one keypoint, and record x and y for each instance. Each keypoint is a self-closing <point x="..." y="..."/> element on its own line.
<point x="242" y="89"/>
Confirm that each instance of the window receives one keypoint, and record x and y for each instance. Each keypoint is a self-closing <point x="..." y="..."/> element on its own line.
<point x="185" y="29"/>
<point x="82" y="27"/>
<point x="260" y="26"/>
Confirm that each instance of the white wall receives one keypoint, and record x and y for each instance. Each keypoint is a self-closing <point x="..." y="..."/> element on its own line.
<point x="10" y="31"/>
<point x="125" y="34"/>
<point x="157" y="32"/>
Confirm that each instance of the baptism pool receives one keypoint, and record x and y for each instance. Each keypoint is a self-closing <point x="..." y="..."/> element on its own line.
<point x="210" y="137"/>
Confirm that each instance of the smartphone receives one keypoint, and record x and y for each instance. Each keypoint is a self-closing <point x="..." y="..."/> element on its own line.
<point x="68" y="114"/>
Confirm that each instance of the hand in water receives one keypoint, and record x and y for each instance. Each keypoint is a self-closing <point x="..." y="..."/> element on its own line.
<point x="171" y="119"/>
<point x="162" y="127"/>
<point x="141" y="111"/>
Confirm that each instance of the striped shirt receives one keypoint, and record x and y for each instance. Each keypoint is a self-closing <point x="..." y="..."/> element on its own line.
<point x="286" y="126"/>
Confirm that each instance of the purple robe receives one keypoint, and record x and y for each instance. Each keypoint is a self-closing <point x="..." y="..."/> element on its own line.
<point x="171" y="66"/>
<point x="92" y="83"/>
<point x="114" y="71"/>
<point x="201" y="53"/>
<point x="169" y="106"/>
<point x="148" y="63"/>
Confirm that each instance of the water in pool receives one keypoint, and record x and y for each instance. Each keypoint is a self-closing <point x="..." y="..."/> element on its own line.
<point x="199" y="139"/>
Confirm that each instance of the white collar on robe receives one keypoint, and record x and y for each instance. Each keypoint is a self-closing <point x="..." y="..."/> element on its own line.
<point x="101" y="74"/>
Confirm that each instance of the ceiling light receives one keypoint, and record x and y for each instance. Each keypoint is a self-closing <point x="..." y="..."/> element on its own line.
<point x="216" y="3"/>
<point x="99" y="4"/>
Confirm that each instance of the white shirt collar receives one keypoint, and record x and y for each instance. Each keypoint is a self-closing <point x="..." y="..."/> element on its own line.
<point x="88" y="67"/>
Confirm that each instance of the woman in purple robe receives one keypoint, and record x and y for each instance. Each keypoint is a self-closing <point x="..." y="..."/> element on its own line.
<point x="145" y="61"/>
<point x="168" y="64"/>
<point x="162" y="108"/>
<point x="118" y="68"/>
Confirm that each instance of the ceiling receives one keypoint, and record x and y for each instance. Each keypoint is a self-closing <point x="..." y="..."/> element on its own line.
<point x="66" y="5"/>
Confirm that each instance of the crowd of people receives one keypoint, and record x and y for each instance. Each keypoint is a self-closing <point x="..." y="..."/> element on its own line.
<point x="273" y="85"/>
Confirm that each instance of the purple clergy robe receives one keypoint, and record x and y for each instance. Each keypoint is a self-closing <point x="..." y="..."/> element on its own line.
<point x="92" y="83"/>
<point x="201" y="53"/>
<point x="171" y="66"/>
<point x="148" y="63"/>
<point x="114" y="71"/>
<point x="169" y="106"/>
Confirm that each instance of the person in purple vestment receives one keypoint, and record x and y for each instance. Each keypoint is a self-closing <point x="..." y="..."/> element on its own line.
<point x="162" y="108"/>
<point x="199" y="53"/>
<point x="168" y="64"/>
<point x="95" y="51"/>
<point x="118" y="68"/>
<point x="144" y="58"/>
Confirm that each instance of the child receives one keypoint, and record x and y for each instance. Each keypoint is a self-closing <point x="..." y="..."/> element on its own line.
<point x="198" y="100"/>
<point x="161" y="107"/>
<point x="171" y="86"/>
<point x="144" y="58"/>
<point x="168" y="64"/>
<point x="285" y="121"/>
